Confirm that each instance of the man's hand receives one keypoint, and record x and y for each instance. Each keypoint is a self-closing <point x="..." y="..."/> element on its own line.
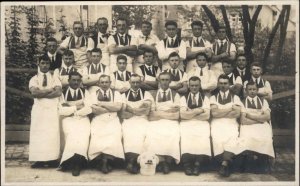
<point x="80" y="106"/>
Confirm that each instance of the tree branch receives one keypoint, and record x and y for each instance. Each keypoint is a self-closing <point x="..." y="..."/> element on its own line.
<point x="226" y="21"/>
<point x="212" y="17"/>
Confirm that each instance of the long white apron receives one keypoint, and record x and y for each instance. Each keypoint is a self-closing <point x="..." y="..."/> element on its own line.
<point x="195" y="137"/>
<point x="217" y="68"/>
<point x="134" y="131"/>
<point x="224" y="133"/>
<point x="76" y="134"/>
<point x="106" y="136"/>
<point x="44" y="130"/>
<point x="257" y="137"/>
<point x="163" y="135"/>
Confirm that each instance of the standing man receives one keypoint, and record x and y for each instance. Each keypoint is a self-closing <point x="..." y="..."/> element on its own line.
<point x="171" y="44"/>
<point x="225" y="109"/>
<point x="51" y="52"/>
<point x="122" y="43"/>
<point x="106" y="131"/>
<point x="135" y="114"/>
<point x="163" y="133"/>
<point x="79" y="44"/>
<point x="194" y="128"/>
<point x="75" y="105"/>
<point x="145" y="41"/>
<point x="44" y="143"/>
<point x="101" y="39"/>
<point x="223" y="49"/>
<point x="196" y="45"/>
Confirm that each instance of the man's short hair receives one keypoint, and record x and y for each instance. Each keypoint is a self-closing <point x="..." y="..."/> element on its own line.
<point x="221" y="26"/>
<point x="223" y="76"/>
<point x="148" y="51"/>
<point x="194" y="78"/>
<point x="257" y="64"/>
<point x="164" y="73"/>
<point x="74" y="73"/>
<point x="202" y="54"/>
<point x="51" y="39"/>
<point x="102" y="18"/>
<point x="135" y="75"/>
<point x="104" y="76"/>
<point x="173" y="54"/>
<point x="250" y="83"/>
<point x="68" y="53"/>
<point x="171" y="23"/>
<point x="147" y="23"/>
<point x="78" y="22"/>
<point x="43" y="58"/>
<point x="227" y="62"/>
<point x="96" y="50"/>
<point x="121" y="19"/>
<point x="241" y="55"/>
<point x="199" y="23"/>
<point x="121" y="57"/>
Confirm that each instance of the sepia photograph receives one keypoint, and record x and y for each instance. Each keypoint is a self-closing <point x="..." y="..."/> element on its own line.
<point x="150" y="93"/>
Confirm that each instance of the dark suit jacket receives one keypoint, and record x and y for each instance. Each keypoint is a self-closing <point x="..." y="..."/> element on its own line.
<point x="56" y="63"/>
<point x="246" y="76"/>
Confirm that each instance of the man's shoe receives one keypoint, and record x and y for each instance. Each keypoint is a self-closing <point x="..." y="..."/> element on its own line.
<point x="224" y="171"/>
<point x="76" y="170"/>
<point x="188" y="171"/>
<point x="38" y="164"/>
<point x="104" y="168"/>
<point x="196" y="171"/>
<point x="129" y="167"/>
<point x="52" y="164"/>
<point x="165" y="168"/>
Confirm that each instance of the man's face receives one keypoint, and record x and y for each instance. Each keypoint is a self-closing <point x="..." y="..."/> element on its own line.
<point x="241" y="62"/>
<point x="221" y="33"/>
<point x="251" y="90"/>
<point x="194" y="86"/>
<point x="121" y="26"/>
<point x="164" y="81"/>
<point x="146" y="29"/>
<point x="102" y="25"/>
<point x="121" y="64"/>
<point x="174" y="62"/>
<point x="44" y="66"/>
<point x="51" y="47"/>
<point x="227" y="68"/>
<point x="104" y="83"/>
<point x="68" y="60"/>
<point x="135" y="83"/>
<point x="171" y="30"/>
<point x="197" y="30"/>
<point x="223" y="85"/>
<point x="201" y="61"/>
<point x="256" y="71"/>
<point x="75" y="81"/>
<point x="78" y="29"/>
<point x="148" y="58"/>
<point x="96" y="57"/>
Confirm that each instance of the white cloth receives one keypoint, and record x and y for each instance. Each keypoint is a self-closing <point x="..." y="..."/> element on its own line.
<point x="195" y="134"/>
<point x="152" y="40"/>
<point x="134" y="129"/>
<point x="266" y="89"/>
<point x="208" y="81"/>
<point x="76" y="126"/>
<point x="106" y="132"/>
<point x="163" y="135"/>
<point x="182" y="77"/>
<point x="224" y="131"/>
<point x="146" y="77"/>
<point x="119" y="84"/>
<point x="44" y="142"/>
<point x="104" y="48"/>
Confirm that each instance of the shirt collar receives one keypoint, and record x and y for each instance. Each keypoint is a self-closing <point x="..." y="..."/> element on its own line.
<point x="204" y="68"/>
<point x="161" y="90"/>
<point x="101" y="34"/>
<point x="258" y="79"/>
<point x="230" y="75"/>
<point x="134" y="91"/>
<point x="147" y="66"/>
<point x="122" y="34"/>
<point x="170" y="38"/>
<point x="107" y="91"/>
<point x="224" y="41"/>
<point x="120" y="72"/>
<point x="41" y="73"/>
<point x="195" y="38"/>
<point x="50" y="55"/>
<point x="226" y="93"/>
<point x="240" y="70"/>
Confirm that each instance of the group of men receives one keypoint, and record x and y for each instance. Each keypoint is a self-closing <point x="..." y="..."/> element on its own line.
<point x="117" y="96"/>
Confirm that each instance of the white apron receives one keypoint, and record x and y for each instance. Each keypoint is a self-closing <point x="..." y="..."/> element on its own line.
<point x="224" y="133"/>
<point x="106" y="136"/>
<point x="105" y="55"/>
<point x="257" y="137"/>
<point x="76" y="134"/>
<point x="80" y="57"/>
<point x="134" y="131"/>
<point x="217" y="68"/>
<point x="195" y="137"/>
<point x="120" y="84"/>
<point x="163" y="135"/>
<point x="44" y="130"/>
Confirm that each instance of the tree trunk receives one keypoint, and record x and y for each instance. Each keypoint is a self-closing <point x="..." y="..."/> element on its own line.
<point x="226" y="21"/>
<point x="212" y="17"/>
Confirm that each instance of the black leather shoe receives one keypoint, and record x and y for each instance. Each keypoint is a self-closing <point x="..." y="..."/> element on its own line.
<point x="196" y="171"/>
<point x="104" y="168"/>
<point x="188" y="171"/>
<point x="129" y="167"/>
<point x="38" y="164"/>
<point x="224" y="171"/>
<point x="165" y="168"/>
<point x="52" y="164"/>
<point x="76" y="170"/>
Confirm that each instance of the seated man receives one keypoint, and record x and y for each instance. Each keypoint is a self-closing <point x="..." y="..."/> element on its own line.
<point x="235" y="82"/>
<point x="163" y="133"/>
<point x="135" y="114"/>
<point x="256" y="131"/>
<point x="264" y="87"/>
<point x="44" y="143"/>
<point x="66" y="67"/>
<point x="93" y="71"/>
<point x="74" y="106"/>
<point x="178" y="77"/>
<point x="120" y="78"/>
<point x="207" y="77"/>
<point x="106" y="131"/>
<point x="148" y="72"/>
<point x="194" y="128"/>
<point x="225" y="109"/>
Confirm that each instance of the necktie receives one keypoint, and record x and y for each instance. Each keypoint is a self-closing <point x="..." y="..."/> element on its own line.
<point x="221" y="46"/>
<point x="146" y="38"/>
<point x="68" y="70"/>
<point x="197" y="43"/>
<point x="122" y="40"/>
<point x="75" y="95"/>
<point x="201" y="71"/>
<point x="194" y="99"/>
<point x="253" y="103"/>
<point x="122" y="76"/>
<point x="149" y="69"/>
<point x="164" y="98"/>
<point x="97" y="68"/>
<point x="173" y="72"/>
<point x="224" y="96"/>
<point x="105" y="95"/>
<point x="77" y="43"/>
<point x="52" y="59"/>
<point x="242" y="73"/>
<point x="256" y="81"/>
<point x="45" y="80"/>
<point x="134" y="94"/>
<point x="172" y="42"/>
